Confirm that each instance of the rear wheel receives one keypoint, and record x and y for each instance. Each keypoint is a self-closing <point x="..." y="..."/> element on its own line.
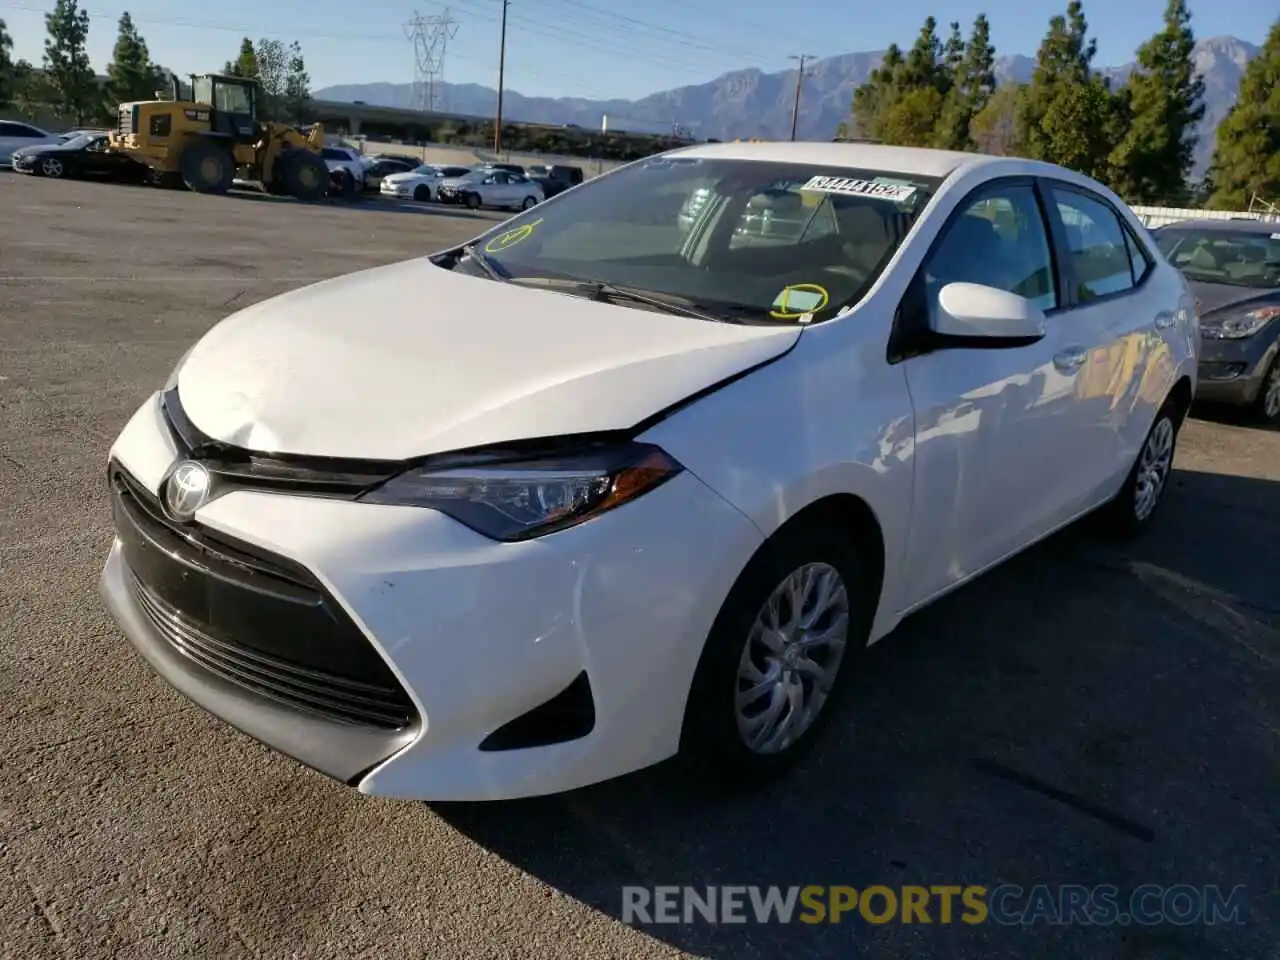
<point x="303" y="175"/>
<point x="422" y="193"/>
<point x="1134" y="507"/>
<point x="207" y="167"/>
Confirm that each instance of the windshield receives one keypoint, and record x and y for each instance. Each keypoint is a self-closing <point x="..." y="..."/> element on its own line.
<point x="78" y="142"/>
<point x="1243" y="258"/>
<point x="774" y="240"/>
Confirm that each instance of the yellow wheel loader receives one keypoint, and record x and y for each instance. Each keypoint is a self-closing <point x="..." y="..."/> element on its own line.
<point x="211" y="135"/>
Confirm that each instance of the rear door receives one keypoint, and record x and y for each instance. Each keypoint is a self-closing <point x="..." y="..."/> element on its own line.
<point x="1107" y="331"/>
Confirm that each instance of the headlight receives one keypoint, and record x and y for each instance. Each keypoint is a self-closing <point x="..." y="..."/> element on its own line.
<point x="514" y="499"/>
<point x="1238" y="324"/>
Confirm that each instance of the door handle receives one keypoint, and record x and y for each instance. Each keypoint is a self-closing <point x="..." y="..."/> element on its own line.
<point x="1165" y="319"/>
<point x="1071" y="359"/>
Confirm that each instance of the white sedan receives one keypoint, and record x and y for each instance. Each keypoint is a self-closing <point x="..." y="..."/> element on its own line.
<point x="420" y="183"/>
<point x="490" y="187"/>
<point x="17" y="136"/>
<point x="610" y="484"/>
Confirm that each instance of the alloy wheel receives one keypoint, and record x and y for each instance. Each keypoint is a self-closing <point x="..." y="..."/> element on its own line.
<point x="791" y="658"/>
<point x="1153" y="468"/>
<point x="51" y="167"/>
<point x="1271" y="393"/>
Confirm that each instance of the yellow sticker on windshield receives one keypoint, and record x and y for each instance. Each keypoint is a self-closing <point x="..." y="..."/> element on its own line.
<point x="799" y="299"/>
<point x="509" y="239"/>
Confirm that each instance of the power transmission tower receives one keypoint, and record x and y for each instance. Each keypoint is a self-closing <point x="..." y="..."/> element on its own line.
<point x="430" y="37"/>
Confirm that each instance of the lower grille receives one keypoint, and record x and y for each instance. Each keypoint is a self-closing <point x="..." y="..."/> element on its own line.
<point x="333" y="697"/>
<point x="252" y="618"/>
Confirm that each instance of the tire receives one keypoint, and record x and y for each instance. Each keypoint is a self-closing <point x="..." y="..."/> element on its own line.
<point x="1266" y="408"/>
<point x="303" y="175"/>
<point x="472" y="200"/>
<point x="422" y="193"/>
<point x="529" y="202"/>
<point x="207" y="167"/>
<point x="718" y="723"/>
<point x="53" y="168"/>
<point x="1133" y="509"/>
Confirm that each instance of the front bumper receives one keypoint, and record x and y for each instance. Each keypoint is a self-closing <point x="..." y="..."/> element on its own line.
<point x="478" y="633"/>
<point x="1233" y="371"/>
<point x="395" y="190"/>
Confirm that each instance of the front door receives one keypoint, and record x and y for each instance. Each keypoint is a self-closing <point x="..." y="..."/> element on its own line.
<point x="988" y="420"/>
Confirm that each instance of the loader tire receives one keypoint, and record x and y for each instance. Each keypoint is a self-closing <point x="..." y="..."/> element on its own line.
<point x="304" y="175"/>
<point x="207" y="168"/>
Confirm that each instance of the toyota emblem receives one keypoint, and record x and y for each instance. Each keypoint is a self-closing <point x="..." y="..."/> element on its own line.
<point x="188" y="489"/>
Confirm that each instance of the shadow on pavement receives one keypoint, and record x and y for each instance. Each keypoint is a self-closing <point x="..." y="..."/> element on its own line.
<point x="1090" y="713"/>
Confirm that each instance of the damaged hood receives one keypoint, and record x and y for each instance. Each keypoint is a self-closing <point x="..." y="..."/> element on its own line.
<point x="413" y="359"/>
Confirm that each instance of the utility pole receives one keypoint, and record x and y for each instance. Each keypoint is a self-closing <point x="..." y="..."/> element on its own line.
<point x="502" y="67"/>
<point x="795" y="108"/>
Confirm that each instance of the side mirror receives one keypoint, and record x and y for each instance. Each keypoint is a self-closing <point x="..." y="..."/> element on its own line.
<point x="975" y="315"/>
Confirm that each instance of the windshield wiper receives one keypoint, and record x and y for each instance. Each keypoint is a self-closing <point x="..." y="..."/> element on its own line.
<point x="486" y="263"/>
<point x="613" y="293"/>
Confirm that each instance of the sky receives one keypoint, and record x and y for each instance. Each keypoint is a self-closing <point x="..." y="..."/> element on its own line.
<point x="595" y="49"/>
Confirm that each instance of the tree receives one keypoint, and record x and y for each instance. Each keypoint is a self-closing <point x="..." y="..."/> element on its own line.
<point x="131" y="75"/>
<point x="972" y="82"/>
<point x="273" y="72"/>
<point x="994" y="128"/>
<point x="8" y="69"/>
<point x="297" y="84"/>
<point x="1064" y="113"/>
<point x="873" y="98"/>
<point x="1246" y="159"/>
<point x="912" y="119"/>
<point x="246" y="64"/>
<point x="72" y="84"/>
<point x="1161" y="106"/>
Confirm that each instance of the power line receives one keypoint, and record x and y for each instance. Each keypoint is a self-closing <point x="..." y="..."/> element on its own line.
<point x="430" y="37"/>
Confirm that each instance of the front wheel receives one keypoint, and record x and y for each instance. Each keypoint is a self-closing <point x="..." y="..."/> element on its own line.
<point x="775" y="658"/>
<point x="52" y="167"/>
<point x="472" y="201"/>
<point x="528" y="202"/>
<point x="1268" y="402"/>
<point x="303" y="175"/>
<point x="1134" y="507"/>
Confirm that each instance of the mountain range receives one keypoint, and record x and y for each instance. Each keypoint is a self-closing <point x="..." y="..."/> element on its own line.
<point x="753" y="103"/>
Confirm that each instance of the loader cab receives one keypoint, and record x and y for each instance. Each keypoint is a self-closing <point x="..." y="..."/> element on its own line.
<point x="233" y="103"/>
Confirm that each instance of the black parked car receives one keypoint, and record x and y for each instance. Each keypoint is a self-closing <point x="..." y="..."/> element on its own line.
<point x="555" y="178"/>
<point x="83" y="156"/>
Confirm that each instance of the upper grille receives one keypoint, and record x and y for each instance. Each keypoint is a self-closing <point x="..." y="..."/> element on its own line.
<point x="252" y="618"/>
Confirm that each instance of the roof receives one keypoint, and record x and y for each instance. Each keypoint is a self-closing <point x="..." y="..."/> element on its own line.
<point x="913" y="161"/>
<point x="1232" y="225"/>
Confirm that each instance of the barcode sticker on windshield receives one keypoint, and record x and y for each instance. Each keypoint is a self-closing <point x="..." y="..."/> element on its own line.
<point x="860" y="188"/>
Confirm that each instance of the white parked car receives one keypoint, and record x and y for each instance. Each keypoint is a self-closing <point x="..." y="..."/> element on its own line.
<point x="422" y="182"/>
<point x="601" y="487"/>
<point x="347" y="159"/>
<point x="15" y="136"/>
<point x="489" y="187"/>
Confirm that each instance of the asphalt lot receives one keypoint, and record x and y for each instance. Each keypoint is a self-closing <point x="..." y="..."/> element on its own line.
<point x="1088" y="714"/>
